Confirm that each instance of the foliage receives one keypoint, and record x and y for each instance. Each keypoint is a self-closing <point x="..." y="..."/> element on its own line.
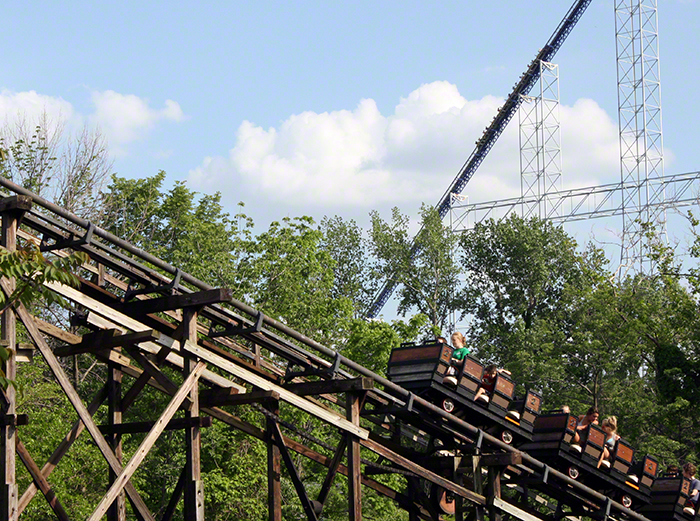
<point x="423" y="266"/>
<point x="70" y="170"/>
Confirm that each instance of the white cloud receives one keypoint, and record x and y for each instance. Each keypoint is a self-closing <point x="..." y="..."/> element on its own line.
<point x="126" y="118"/>
<point x="122" y="118"/>
<point x="363" y="158"/>
<point x="30" y="107"/>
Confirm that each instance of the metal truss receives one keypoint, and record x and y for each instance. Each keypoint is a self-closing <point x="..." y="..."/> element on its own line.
<point x="540" y="142"/>
<point x="641" y="142"/>
<point x="582" y="203"/>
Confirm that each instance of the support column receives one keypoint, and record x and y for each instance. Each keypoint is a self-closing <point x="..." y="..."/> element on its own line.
<point x="354" y="404"/>
<point x="478" y="485"/>
<point x="274" y="465"/>
<point x="194" y="492"/>
<point x="494" y="492"/>
<point x="117" y="511"/>
<point x="12" y="209"/>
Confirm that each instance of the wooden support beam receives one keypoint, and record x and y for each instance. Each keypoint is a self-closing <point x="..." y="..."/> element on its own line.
<point x="142" y="380"/>
<point x="147" y="443"/>
<point x="251" y="430"/>
<point x="16" y="205"/>
<point x="423" y="472"/>
<point x="332" y="471"/>
<point x="494" y="493"/>
<point x="274" y="465"/>
<point x="75" y="400"/>
<point x="354" y="402"/>
<point x="308" y="506"/>
<point x="174" y="498"/>
<point x="62" y="449"/>
<point x="219" y="397"/>
<point x="146" y="426"/>
<point x="40" y="482"/>
<point x="117" y="511"/>
<point x="106" y="339"/>
<point x="172" y="302"/>
<point x="12" y="210"/>
<point x="194" y="491"/>
<point x="331" y="386"/>
<point x="501" y="459"/>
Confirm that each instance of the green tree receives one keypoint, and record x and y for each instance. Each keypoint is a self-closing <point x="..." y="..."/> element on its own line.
<point x="423" y="267"/>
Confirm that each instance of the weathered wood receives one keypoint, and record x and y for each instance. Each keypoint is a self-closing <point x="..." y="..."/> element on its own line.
<point x="142" y="380"/>
<point x="423" y="472"/>
<point x="40" y="482"/>
<point x="172" y="358"/>
<point x="155" y="372"/>
<point x="306" y="503"/>
<point x="353" y="405"/>
<point x="331" y="386"/>
<point x="289" y="397"/>
<point x="106" y="339"/>
<point x="14" y="420"/>
<point x="514" y="511"/>
<point x="501" y="459"/>
<point x="147" y="443"/>
<point x="294" y="445"/>
<point x="12" y="209"/>
<point x="494" y="493"/>
<point x="146" y="426"/>
<point x="116" y="511"/>
<point x="15" y="204"/>
<point x="174" y="498"/>
<point x="75" y="400"/>
<point x="274" y="466"/>
<point x="332" y="471"/>
<point x="194" y="491"/>
<point x="62" y="448"/>
<point x="172" y="302"/>
<point x="230" y="396"/>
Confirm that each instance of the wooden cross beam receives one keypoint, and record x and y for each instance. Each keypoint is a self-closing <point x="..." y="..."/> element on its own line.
<point x="173" y="302"/>
<point x="331" y="386"/>
<point x="219" y="397"/>
<point x="106" y="339"/>
<point x="146" y="426"/>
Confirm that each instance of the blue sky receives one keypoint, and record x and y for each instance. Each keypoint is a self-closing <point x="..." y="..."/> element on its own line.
<point x="325" y="108"/>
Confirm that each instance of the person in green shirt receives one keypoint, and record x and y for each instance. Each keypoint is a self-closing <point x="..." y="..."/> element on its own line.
<point x="458" y="355"/>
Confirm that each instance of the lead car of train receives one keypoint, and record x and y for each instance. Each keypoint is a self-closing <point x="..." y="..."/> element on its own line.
<point x="625" y="477"/>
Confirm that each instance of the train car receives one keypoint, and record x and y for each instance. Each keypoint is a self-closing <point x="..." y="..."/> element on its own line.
<point x="669" y="498"/>
<point x="422" y="369"/>
<point x="553" y="441"/>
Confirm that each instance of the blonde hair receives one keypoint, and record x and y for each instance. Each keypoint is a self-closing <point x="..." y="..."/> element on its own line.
<point x="610" y="421"/>
<point x="459" y="336"/>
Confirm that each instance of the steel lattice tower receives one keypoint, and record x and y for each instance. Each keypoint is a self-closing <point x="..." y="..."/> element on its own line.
<point x="641" y="142"/>
<point x="540" y="144"/>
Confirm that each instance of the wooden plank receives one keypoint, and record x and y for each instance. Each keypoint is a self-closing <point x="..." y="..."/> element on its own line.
<point x="291" y="469"/>
<point x="501" y="459"/>
<point x="154" y="348"/>
<point x="289" y="397"/>
<point x="12" y="209"/>
<point x="353" y="406"/>
<point x="194" y="488"/>
<point x="514" y="511"/>
<point x="331" y="386"/>
<point x="221" y="397"/>
<point x="172" y="302"/>
<point x="332" y="470"/>
<point x="147" y="443"/>
<point x="40" y="482"/>
<point x="274" y="466"/>
<point x="75" y="400"/>
<point x="422" y="472"/>
<point x="146" y="426"/>
<point x="155" y="372"/>
<point x="106" y="339"/>
<point x="117" y="511"/>
<point x="16" y="203"/>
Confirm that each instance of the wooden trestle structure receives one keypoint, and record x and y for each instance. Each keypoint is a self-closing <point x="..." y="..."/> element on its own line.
<point x="146" y="315"/>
